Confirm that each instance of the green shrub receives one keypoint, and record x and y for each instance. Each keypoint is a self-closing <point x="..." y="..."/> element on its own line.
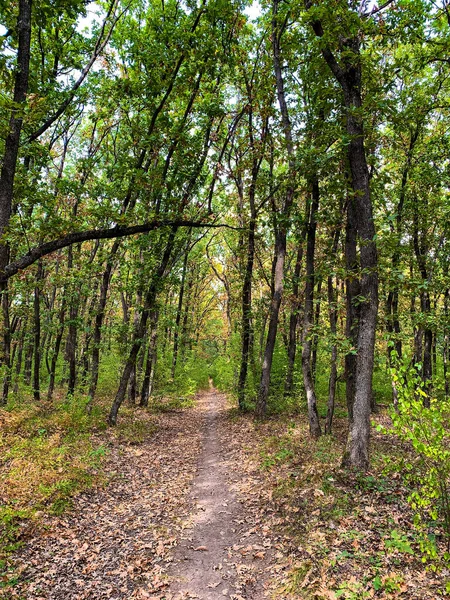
<point x="426" y="428"/>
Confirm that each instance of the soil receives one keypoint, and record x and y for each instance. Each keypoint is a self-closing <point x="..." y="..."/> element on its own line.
<point x="209" y="562"/>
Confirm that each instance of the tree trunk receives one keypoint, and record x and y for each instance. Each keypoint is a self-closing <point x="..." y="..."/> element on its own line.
<point x="308" y="317"/>
<point x="139" y="332"/>
<point x="315" y="337"/>
<point x="179" y="312"/>
<point x="284" y="213"/>
<point x="333" y="316"/>
<point x="18" y="366"/>
<point x="8" y="169"/>
<point x="293" y="322"/>
<point x="280" y="252"/>
<point x="37" y="334"/>
<point x="147" y="383"/>
<point x="58" y="340"/>
<point x="347" y="70"/>
<point x="247" y="309"/>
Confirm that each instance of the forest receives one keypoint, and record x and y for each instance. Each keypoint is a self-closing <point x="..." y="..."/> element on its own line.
<point x="224" y="282"/>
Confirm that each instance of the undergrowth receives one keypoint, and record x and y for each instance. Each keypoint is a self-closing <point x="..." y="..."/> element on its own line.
<point x="352" y="535"/>
<point x="52" y="452"/>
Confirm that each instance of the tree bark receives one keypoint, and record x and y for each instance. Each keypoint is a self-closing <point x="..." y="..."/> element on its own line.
<point x="308" y="317"/>
<point x="37" y="335"/>
<point x="147" y="384"/>
<point x="284" y="213"/>
<point x="179" y="312"/>
<point x="8" y="170"/>
<point x="293" y="323"/>
<point x="348" y="73"/>
<point x="58" y="340"/>
<point x="332" y="292"/>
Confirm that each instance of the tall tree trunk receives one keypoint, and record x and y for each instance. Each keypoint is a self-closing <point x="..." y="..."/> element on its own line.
<point x="280" y="251"/>
<point x="347" y="70"/>
<point x="37" y="334"/>
<point x="308" y="317"/>
<point x="352" y="291"/>
<point x="293" y="322"/>
<point x="332" y="292"/>
<point x="179" y="312"/>
<point x="8" y="169"/>
<point x="315" y="337"/>
<point x="446" y="344"/>
<point x="247" y="307"/>
<point x="28" y="362"/>
<point x="281" y="232"/>
<point x="71" y="343"/>
<point x="58" y="340"/>
<point x="6" y="343"/>
<point x="18" y="367"/>
<point x="147" y="383"/>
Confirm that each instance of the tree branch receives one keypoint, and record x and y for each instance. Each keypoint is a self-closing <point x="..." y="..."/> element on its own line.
<point x="99" y="47"/>
<point x="97" y="234"/>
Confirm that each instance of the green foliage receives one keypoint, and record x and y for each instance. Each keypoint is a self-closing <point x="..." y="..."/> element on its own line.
<point x="426" y="429"/>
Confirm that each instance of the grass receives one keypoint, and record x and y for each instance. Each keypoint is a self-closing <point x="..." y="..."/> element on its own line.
<point x="49" y="454"/>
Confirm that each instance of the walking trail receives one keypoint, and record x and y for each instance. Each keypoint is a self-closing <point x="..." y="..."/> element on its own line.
<point x="210" y="561"/>
<point x="179" y="519"/>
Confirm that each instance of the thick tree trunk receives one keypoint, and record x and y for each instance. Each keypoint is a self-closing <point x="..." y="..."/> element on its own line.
<point x="345" y="64"/>
<point x="352" y="291"/>
<point x="8" y="170"/>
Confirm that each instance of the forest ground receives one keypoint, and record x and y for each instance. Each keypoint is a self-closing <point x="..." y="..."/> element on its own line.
<point x="207" y="503"/>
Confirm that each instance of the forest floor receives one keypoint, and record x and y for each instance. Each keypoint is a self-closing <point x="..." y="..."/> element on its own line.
<point x="211" y="504"/>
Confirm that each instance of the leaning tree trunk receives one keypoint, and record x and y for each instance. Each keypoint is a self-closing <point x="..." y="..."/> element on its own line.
<point x="139" y="332"/>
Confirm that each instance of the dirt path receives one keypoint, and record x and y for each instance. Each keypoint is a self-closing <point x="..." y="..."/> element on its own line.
<point x="214" y="560"/>
<point x="171" y="524"/>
